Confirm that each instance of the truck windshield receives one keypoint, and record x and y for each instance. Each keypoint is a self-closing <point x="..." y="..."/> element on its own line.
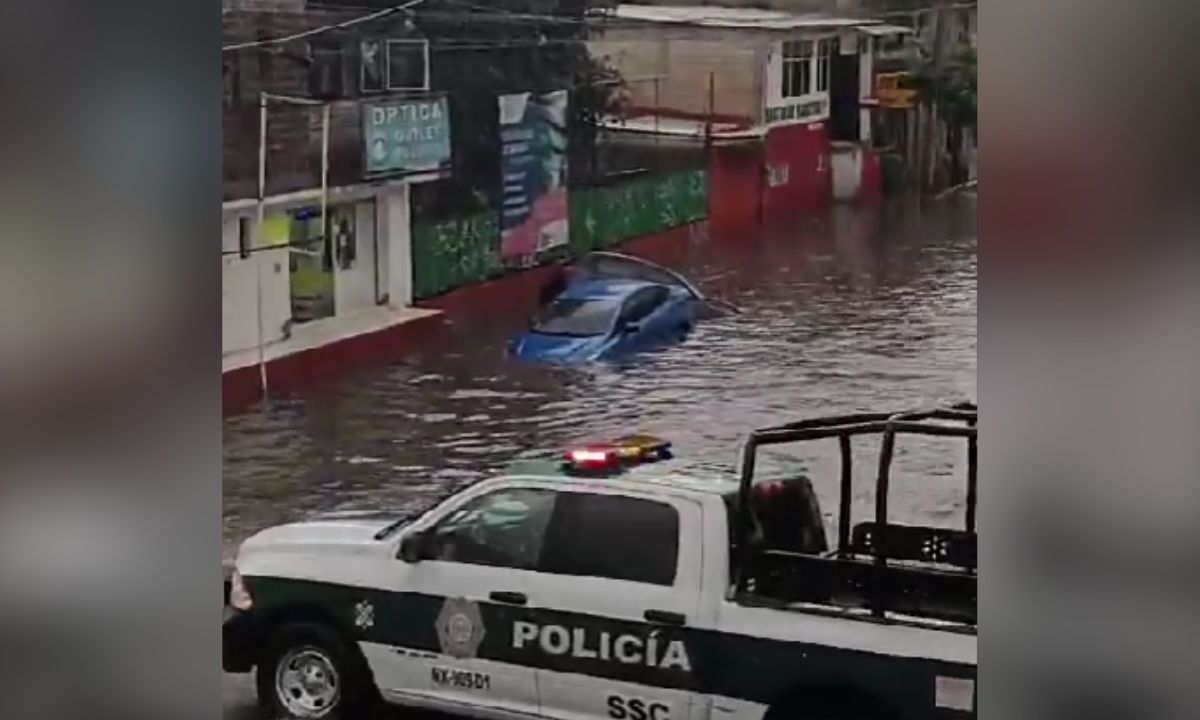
<point x="576" y="318"/>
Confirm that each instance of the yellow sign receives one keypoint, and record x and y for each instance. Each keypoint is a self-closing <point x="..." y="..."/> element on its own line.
<point x="891" y="93"/>
<point x="275" y="230"/>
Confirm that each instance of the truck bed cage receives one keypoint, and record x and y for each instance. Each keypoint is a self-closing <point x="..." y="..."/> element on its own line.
<point x="883" y="541"/>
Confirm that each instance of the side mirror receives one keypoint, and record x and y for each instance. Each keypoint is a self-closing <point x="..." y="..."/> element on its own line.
<point x="631" y="327"/>
<point x="413" y="547"/>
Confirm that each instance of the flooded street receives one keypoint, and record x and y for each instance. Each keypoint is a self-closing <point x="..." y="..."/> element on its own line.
<point x="861" y="311"/>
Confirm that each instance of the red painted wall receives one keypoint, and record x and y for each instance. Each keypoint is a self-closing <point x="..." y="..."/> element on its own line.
<point x="735" y="177"/>
<point x="870" y="189"/>
<point x="804" y="150"/>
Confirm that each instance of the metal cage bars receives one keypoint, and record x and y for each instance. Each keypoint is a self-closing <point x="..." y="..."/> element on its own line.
<point x="845" y="427"/>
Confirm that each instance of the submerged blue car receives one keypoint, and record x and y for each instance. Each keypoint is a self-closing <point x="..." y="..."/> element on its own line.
<point x="601" y="318"/>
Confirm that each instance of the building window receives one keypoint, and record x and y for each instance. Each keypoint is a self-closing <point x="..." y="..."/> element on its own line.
<point x="797" y="68"/>
<point x="408" y="64"/>
<point x="374" y="66"/>
<point x="327" y="72"/>
<point x="824" y="53"/>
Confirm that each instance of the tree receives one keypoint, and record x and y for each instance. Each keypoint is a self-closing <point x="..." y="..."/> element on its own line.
<point x="483" y="50"/>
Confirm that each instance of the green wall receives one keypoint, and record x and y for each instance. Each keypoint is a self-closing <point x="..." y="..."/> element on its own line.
<point x="453" y="253"/>
<point x="604" y="216"/>
<point x="458" y="252"/>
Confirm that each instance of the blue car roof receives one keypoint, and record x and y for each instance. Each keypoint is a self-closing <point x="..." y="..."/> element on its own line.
<point x="603" y="289"/>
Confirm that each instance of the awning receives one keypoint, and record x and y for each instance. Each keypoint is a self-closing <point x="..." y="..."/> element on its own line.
<point x="885" y="29"/>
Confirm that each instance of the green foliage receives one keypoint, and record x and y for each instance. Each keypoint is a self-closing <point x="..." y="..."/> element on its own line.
<point x="517" y="46"/>
<point x="954" y="90"/>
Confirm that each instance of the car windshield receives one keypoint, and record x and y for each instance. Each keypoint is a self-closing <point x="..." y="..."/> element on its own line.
<point x="576" y="318"/>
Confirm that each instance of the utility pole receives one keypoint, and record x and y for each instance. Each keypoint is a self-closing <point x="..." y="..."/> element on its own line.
<point x="929" y="145"/>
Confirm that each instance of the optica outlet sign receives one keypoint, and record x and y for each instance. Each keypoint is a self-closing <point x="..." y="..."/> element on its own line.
<point x="404" y="136"/>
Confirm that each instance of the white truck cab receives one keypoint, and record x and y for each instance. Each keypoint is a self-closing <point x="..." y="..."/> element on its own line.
<point x="609" y="587"/>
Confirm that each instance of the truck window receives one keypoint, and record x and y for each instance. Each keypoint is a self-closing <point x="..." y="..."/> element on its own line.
<point x="611" y="536"/>
<point x="502" y="529"/>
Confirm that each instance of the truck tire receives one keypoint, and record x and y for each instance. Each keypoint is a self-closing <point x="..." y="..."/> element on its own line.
<point x="308" y="671"/>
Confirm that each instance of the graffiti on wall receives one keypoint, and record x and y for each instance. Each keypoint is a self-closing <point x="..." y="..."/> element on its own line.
<point x="455" y="252"/>
<point x="463" y="251"/>
<point x="604" y="216"/>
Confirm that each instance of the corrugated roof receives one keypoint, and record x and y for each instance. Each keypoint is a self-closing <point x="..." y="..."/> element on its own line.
<point x="730" y="17"/>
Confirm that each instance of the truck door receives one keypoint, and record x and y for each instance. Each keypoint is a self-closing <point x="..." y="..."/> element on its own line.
<point x="449" y="649"/>
<point x="618" y="587"/>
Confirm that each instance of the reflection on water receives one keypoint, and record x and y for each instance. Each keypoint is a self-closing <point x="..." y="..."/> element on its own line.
<point x="860" y="311"/>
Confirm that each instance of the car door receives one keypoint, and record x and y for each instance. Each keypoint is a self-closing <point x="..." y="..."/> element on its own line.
<point x="465" y="592"/>
<point x="609" y="627"/>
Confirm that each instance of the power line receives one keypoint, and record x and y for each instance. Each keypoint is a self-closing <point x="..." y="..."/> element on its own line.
<point x="323" y="28"/>
<point x="494" y="11"/>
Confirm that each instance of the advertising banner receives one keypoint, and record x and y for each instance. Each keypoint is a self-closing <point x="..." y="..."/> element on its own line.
<point x="404" y="136"/>
<point x="533" y="166"/>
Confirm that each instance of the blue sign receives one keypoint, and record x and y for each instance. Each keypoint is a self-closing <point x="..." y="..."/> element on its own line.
<point x="406" y="135"/>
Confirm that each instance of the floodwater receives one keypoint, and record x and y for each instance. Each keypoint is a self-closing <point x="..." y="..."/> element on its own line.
<point x="863" y="310"/>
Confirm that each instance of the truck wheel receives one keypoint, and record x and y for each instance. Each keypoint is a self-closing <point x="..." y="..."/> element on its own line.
<point x="308" y="671"/>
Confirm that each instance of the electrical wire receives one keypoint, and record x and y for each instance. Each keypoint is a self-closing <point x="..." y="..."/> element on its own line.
<point x="486" y="10"/>
<point x="323" y="28"/>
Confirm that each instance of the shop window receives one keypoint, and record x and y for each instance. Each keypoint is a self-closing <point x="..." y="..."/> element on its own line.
<point x="797" y="68"/>
<point x="824" y="53"/>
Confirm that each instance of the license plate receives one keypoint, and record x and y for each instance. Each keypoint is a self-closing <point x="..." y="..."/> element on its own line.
<point x="461" y="679"/>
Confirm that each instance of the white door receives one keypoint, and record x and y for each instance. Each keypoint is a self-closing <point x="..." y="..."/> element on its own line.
<point x="353" y="230"/>
<point x="618" y="589"/>
<point x="477" y="565"/>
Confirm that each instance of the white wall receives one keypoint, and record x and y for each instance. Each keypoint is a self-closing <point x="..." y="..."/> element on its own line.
<point x="866" y="80"/>
<point x="846" y="163"/>
<point x="394" y="214"/>
<point x="383" y="226"/>
<point x="239" y="281"/>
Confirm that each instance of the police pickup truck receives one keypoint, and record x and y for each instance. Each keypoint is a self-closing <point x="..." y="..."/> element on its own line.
<point x="608" y="586"/>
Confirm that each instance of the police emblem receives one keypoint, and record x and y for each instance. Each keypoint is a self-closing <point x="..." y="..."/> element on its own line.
<point x="364" y="615"/>
<point x="460" y="628"/>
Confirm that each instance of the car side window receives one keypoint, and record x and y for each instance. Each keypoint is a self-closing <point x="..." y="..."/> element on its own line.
<point x="642" y="303"/>
<point x="611" y="536"/>
<point x="504" y="528"/>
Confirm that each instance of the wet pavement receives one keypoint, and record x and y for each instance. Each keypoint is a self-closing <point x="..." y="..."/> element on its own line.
<point x="864" y="310"/>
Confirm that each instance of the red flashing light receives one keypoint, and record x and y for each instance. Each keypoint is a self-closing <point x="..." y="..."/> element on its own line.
<point x="594" y="459"/>
<point x="771" y="491"/>
<point x="612" y="457"/>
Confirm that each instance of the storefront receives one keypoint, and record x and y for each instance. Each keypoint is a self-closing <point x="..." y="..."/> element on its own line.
<point x="336" y="272"/>
<point x="291" y="273"/>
